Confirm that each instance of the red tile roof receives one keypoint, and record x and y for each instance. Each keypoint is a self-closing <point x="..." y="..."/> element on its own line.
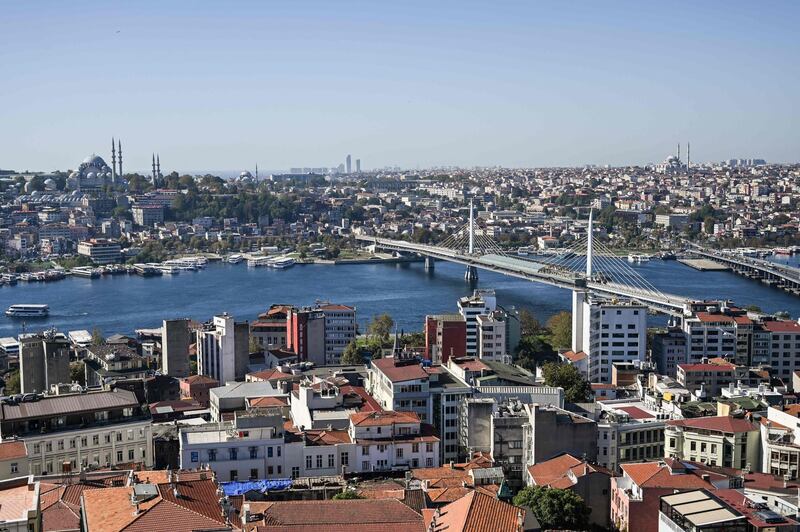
<point x="476" y="512"/>
<point x="726" y="424"/>
<point x="374" y="419"/>
<point x="269" y="375"/>
<point x="572" y="356"/>
<point x="359" y="515"/>
<point x="782" y="326"/>
<point x="658" y="475"/>
<point x="636" y="413"/>
<point x="13" y="449"/>
<point x="399" y="373"/>
<point x="555" y="473"/>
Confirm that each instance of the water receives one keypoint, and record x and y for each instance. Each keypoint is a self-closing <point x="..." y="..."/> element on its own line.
<point x="121" y="304"/>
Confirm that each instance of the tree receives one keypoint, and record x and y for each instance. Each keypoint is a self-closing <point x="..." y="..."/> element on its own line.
<point x="567" y="376"/>
<point x="351" y="355"/>
<point x="12" y="383"/>
<point x="555" y="508"/>
<point x="560" y="327"/>
<point x="77" y="372"/>
<point x="347" y="495"/>
<point x="97" y="337"/>
<point x="381" y="326"/>
<point x="753" y="308"/>
<point x="254" y="346"/>
<point x="534" y="350"/>
<point x="528" y="324"/>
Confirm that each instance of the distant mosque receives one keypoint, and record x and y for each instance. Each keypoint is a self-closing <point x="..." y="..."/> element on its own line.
<point x="673" y="165"/>
<point x="93" y="174"/>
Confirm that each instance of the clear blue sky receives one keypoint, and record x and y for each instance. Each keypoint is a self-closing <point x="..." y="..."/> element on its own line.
<point x="225" y="85"/>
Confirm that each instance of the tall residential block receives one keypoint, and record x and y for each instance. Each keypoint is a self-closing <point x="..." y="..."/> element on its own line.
<point x="44" y="361"/>
<point x="175" y="341"/>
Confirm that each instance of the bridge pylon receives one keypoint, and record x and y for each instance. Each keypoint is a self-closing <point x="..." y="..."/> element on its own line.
<point x="471" y="275"/>
<point x="430" y="263"/>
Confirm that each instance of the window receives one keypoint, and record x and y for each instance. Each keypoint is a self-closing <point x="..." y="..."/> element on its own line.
<point x="212" y="455"/>
<point x="96" y="439"/>
<point x="119" y="436"/>
<point x="364" y="450"/>
<point x="429" y="462"/>
<point x="60" y="445"/>
<point x="234" y="474"/>
<point x="308" y="461"/>
<point x="195" y="456"/>
<point x="253" y="473"/>
<point x="429" y="448"/>
<point x="345" y="459"/>
<point x="414" y="447"/>
<point x="269" y="470"/>
<point x="398" y="452"/>
<point x="269" y="452"/>
<point x="130" y="455"/>
<point x="14" y="467"/>
<point x="119" y="456"/>
<point x="278" y="448"/>
<point x="319" y="461"/>
<point x="253" y="452"/>
<point x="365" y="466"/>
<point x="295" y="472"/>
<point x="37" y="448"/>
<point x="693" y="446"/>
<point x="331" y="461"/>
<point x="233" y="453"/>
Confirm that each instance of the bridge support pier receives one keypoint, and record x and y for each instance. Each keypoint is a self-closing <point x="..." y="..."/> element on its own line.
<point x="471" y="275"/>
<point x="430" y="264"/>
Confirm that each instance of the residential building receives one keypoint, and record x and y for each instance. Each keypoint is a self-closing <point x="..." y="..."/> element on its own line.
<point x="780" y="442"/>
<point x="445" y="337"/>
<point x="107" y="363"/>
<point x="709" y="377"/>
<point x="669" y="350"/>
<point x="223" y="349"/>
<point x="784" y="348"/>
<point x="607" y="332"/>
<point x="481" y="302"/>
<point x="392" y="440"/>
<point x="13" y="459"/>
<point x="340" y="330"/>
<point x="492" y="336"/>
<point x="147" y="215"/>
<point x="43" y="360"/>
<point x="479" y="511"/>
<point x="575" y="434"/>
<point x="175" y="340"/>
<point x="100" y="250"/>
<point x="198" y="388"/>
<point x="322" y="333"/>
<point x="589" y="481"/>
<point x="270" y="329"/>
<point x="718" y="441"/>
<point x="74" y="431"/>
<point x="628" y="431"/>
<point x="19" y="511"/>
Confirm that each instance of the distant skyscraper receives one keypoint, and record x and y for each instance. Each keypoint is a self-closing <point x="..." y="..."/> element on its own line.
<point x="349" y="165"/>
<point x="358" y="166"/>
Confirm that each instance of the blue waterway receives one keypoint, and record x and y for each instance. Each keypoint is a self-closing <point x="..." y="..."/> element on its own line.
<point x="120" y="304"/>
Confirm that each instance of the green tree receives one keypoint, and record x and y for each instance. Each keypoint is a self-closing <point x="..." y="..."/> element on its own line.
<point x="381" y="327"/>
<point x="347" y="495"/>
<point x="77" y="372"/>
<point x="534" y="350"/>
<point x="352" y="355"/>
<point x="753" y="308"/>
<point x="254" y="346"/>
<point x="567" y="376"/>
<point x="560" y="327"/>
<point x="555" y="508"/>
<point x="12" y="383"/>
<point x="528" y="324"/>
<point x="97" y="337"/>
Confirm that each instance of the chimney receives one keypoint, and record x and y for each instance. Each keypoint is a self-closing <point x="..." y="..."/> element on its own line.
<point x="245" y="514"/>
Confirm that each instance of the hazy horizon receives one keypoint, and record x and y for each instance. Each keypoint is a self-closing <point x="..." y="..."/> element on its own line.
<point x="414" y="85"/>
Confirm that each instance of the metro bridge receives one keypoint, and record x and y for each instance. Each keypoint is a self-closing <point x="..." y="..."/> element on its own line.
<point x="576" y="268"/>
<point x="777" y="275"/>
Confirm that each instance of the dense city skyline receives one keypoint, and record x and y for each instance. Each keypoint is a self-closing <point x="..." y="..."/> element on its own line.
<point x="417" y="86"/>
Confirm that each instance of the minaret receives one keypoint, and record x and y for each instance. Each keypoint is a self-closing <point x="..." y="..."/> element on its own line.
<point x="113" y="162"/>
<point x="119" y="150"/>
<point x="688" y="156"/>
<point x="256" y="172"/>
<point x="679" y="151"/>
<point x="154" y="168"/>
<point x="158" y="165"/>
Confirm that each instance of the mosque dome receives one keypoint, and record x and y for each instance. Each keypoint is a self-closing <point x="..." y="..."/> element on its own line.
<point x="49" y="184"/>
<point x="245" y="175"/>
<point x="95" y="160"/>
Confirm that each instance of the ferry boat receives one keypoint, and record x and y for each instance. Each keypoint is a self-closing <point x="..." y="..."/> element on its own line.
<point x="235" y="259"/>
<point x="169" y="269"/>
<point x="28" y="311"/>
<point x="281" y="262"/>
<point x="86" y="271"/>
<point x="638" y="259"/>
<point x="783" y="251"/>
<point x="258" y="261"/>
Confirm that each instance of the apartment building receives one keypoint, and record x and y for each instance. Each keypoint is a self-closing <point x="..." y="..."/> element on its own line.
<point x="628" y="431"/>
<point x="607" y="332"/>
<point x="175" y="340"/>
<point x="717" y="441"/>
<point x="492" y="335"/>
<point x="320" y="334"/>
<point x="445" y="337"/>
<point x="481" y="302"/>
<point x="223" y="348"/>
<point x="780" y="442"/>
<point x="100" y="251"/>
<point x="269" y="330"/>
<point x="106" y="363"/>
<point x="74" y="431"/>
<point x="709" y="377"/>
<point x="43" y="360"/>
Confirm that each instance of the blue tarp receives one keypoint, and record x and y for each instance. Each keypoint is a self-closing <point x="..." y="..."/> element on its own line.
<point x="240" y="488"/>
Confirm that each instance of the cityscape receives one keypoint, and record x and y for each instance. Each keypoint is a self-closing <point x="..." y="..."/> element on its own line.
<point x="361" y="326"/>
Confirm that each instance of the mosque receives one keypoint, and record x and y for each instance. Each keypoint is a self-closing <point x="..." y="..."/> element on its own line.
<point x="93" y="174"/>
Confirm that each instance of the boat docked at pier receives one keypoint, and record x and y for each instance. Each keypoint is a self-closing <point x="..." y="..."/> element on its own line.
<point x="235" y="259"/>
<point x="636" y="258"/>
<point x="281" y="263"/>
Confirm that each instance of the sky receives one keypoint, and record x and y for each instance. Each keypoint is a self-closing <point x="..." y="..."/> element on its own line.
<point x="228" y="85"/>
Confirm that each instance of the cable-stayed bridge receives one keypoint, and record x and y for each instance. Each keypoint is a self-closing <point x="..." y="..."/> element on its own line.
<point x="585" y="265"/>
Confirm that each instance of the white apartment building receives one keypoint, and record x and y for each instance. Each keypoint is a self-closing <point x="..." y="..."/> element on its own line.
<point x="101" y="251"/>
<point x="74" y="431"/>
<point x="629" y="431"/>
<point x="481" y="302"/>
<point x="607" y="332"/>
<point x="491" y="335"/>
<point x="222" y="350"/>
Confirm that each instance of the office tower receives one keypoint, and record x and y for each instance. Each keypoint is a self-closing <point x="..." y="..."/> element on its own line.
<point x="349" y="166"/>
<point x="175" y="340"/>
<point x="44" y="360"/>
<point x="481" y="302"/>
<point x="358" y="166"/>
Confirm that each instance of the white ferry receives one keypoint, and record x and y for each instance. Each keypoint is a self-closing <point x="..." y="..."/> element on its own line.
<point x="257" y="261"/>
<point x="235" y="259"/>
<point x="28" y="311"/>
<point x="281" y="262"/>
<point x="638" y="259"/>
